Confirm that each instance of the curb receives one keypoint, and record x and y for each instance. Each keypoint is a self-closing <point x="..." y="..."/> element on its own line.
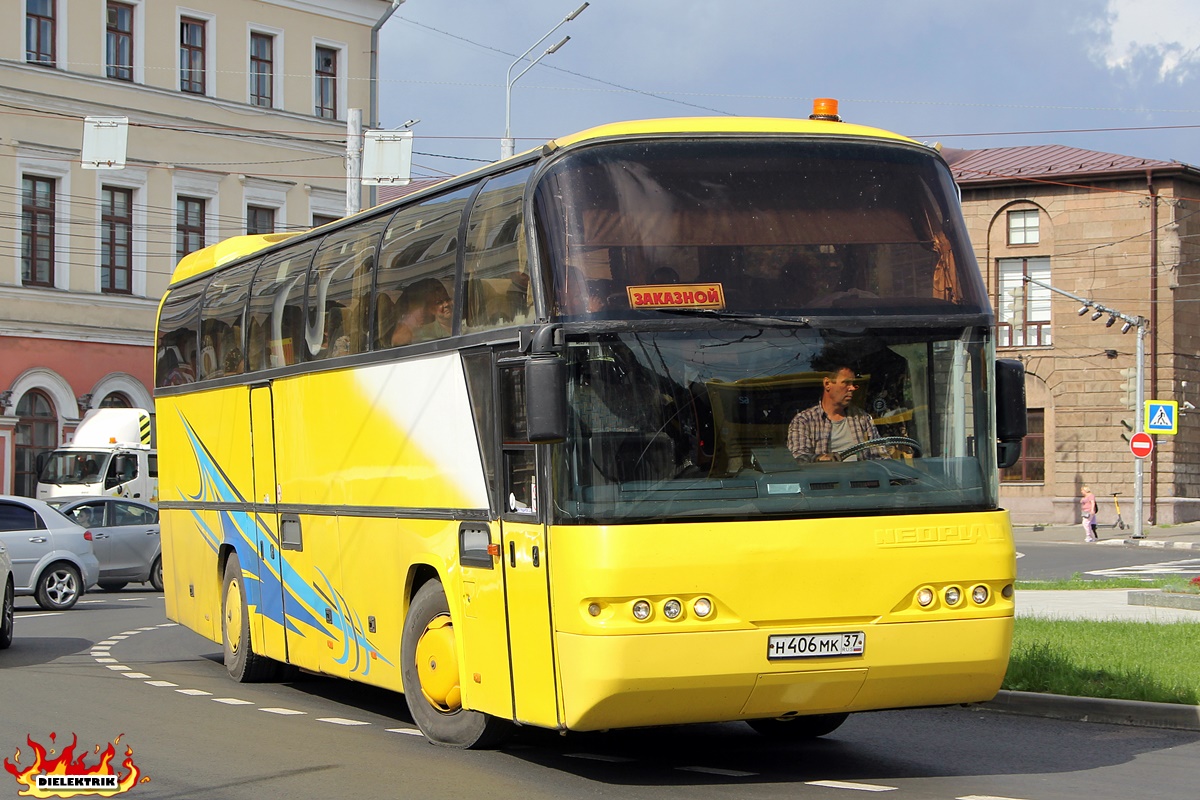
<point x="1162" y="599"/>
<point x="1095" y="709"/>
<point x="1156" y="543"/>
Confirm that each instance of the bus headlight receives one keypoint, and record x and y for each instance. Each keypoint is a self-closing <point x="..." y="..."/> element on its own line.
<point x="672" y="609"/>
<point x="953" y="595"/>
<point x="702" y="607"/>
<point x="924" y="597"/>
<point x="980" y="594"/>
<point x="641" y="610"/>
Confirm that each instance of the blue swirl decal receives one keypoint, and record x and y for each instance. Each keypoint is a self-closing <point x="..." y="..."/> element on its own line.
<point x="274" y="588"/>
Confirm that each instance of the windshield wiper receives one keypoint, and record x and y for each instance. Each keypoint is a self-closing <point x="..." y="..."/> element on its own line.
<point x="739" y="316"/>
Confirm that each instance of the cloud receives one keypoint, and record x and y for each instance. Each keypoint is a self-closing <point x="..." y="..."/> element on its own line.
<point x="1159" y="35"/>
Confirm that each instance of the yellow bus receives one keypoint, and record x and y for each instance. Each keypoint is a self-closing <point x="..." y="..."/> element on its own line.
<point x="518" y="445"/>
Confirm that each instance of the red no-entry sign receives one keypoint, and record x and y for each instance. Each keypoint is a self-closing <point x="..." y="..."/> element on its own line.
<point x="1141" y="445"/>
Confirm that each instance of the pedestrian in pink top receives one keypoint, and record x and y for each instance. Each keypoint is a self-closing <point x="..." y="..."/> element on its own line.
<point x="1087" y="512"/>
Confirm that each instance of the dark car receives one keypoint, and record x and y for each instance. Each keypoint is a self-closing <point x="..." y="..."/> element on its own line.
<point x="125" y="535"/>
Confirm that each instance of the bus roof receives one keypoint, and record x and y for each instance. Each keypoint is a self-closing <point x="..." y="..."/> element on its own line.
<point x="734" y="125"/>
<point x="225" y="251"/>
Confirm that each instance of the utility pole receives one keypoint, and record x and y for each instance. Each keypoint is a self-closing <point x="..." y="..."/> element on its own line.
<point x="1143" y="327"/>
<point x="354" y="161"/>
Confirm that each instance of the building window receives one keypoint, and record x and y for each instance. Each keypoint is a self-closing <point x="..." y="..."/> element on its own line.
<point x="262" y="70"/>
<point x="260" y="219"/>
<point x="323" y="219"/>
<point x="326" y="83"/>
<point x="189" y="225"/>
<point x="191" y="55"/>
<point x="116" y="400"/>
<point x="1024" y="307"/>
<point x="116" y="245"/>
<point x="37" y="231"/>
<point x="119" y="42"/>
<point x="36" y="432"/>
<point x="1031" y="468"/>
<point x="1023" y="227"/>
<point x="40" y="32"/>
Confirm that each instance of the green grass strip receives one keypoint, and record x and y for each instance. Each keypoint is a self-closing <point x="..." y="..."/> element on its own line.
<point x="1170" y="583"/>
<point x="1123" y="660"/>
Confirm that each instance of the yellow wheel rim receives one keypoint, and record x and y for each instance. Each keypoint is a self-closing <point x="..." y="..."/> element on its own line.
<point x="437" y="665"/>
<point x="233" y="616"/>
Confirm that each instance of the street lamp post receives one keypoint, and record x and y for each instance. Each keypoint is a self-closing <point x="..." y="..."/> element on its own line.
<point x="507" y="144"/>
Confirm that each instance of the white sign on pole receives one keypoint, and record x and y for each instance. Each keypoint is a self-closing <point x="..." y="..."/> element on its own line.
<point x="387" y="158"/>
<point x="104" y="140"/>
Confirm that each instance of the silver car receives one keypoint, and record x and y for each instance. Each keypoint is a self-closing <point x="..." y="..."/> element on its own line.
<point x="6" y="614"/>
<point x="125" y="536"/>
<point x="52" y="557"/>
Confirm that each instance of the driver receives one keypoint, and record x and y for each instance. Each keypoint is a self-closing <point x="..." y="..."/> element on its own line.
<point x="831" y="426"/>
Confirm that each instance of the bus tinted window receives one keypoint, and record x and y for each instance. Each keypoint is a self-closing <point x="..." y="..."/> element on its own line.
<point x="415" y="288"/>
<point x="223" y="316"/>
<point x="776" y="227"/>
<point x="496" y="282"/>
<point x="177" y="336"/>
<point x="339" y="290"/>
<point x="275" y="324"/>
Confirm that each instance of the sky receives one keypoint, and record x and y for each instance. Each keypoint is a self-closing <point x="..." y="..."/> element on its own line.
<point x="1119" y="76"/>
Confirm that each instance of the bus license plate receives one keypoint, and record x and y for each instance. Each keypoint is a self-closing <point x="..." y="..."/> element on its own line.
<point x="814" y="645"/>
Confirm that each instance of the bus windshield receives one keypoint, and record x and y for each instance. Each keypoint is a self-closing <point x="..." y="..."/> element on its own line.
<point x="673" y="424"/>
<point x="778" y="226"/>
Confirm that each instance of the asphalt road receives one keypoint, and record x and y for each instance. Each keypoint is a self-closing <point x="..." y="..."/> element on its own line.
<point x="115" y="667"/>
<point x="1039" y="561"/>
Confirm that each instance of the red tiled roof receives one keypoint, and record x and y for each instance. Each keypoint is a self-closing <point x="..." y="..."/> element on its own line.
<point x="1002" y="164"/>
<point x="388" y="193"/>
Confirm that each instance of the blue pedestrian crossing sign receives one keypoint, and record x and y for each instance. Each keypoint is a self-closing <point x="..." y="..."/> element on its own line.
<point x="1162" y="416"/>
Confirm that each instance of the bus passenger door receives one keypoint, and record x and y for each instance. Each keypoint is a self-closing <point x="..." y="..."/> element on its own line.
<point x="524" y="555"/>
<point x="266" y="560"/>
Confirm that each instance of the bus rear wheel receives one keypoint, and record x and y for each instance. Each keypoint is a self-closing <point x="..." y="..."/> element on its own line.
<point x="798" y="728"/>
<point x="242" y="663"/>
<point x="431" y="675"/>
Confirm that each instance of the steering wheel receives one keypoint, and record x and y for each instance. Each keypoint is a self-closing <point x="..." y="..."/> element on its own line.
<point x="883" y="441"/>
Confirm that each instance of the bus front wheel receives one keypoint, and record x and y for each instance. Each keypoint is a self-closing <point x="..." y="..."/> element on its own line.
<point x="243" y="664"/>
<point x="431" y="675"/>
<point x="798" y="728"/>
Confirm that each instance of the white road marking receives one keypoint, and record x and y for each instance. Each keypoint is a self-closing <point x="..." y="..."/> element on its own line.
<point x="1185" y="567"/>
<point x="406" y="731"/>
<point x="599" y="757"/>
<point x="106" y="661"/>
<point x="232" y="701"/>
<point x="985" y="797"/>
<point x="194" y="692"/>
<point x="283" y="711"/>
<point x="342" y="721"/>
<point x="119" y="667"/>
<point x="858" y="787"/>
<point x="136" y="675"/>
<point x="161" y="683"/>
<point x="731" y="773"/>
<point x="38" y="615"/>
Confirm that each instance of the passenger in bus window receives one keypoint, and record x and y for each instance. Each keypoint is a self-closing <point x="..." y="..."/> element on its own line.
<point x="833" y="425"/>
<point x="416" y="308"/>
<point x="442" y="325"/>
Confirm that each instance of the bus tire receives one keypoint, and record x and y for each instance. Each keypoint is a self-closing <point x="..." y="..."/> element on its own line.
<point x="798" y="728"/>
<point x="430" y="672"/>
<point x="242" y="663"/>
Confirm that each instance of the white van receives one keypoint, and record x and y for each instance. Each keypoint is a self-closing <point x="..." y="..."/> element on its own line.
<point x="111" y="454"/>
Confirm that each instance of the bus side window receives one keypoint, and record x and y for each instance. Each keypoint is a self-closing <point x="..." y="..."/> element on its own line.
<point x="276" y="312"/>
<point x="415" y="287"/>
<point x="221" y="326"/>
<point x="339" y="290"/>
<point x="495" y="260"/>
<point x="178" y="329"/>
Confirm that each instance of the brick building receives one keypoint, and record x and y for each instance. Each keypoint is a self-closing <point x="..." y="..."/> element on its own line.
<point x="1121" y="232"/>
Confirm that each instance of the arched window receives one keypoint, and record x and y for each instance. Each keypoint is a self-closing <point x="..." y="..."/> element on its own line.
<point x="36" y="433"/>
<point x="116" y="400"/>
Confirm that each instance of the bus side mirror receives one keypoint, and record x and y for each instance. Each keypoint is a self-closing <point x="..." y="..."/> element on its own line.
<point x="546" y="398"/>
<point x="1011" y="425"/>
<point x="40" y="462"/>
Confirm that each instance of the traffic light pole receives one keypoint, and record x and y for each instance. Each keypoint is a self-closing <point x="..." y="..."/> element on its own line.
<point x="1143" y="327"/>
